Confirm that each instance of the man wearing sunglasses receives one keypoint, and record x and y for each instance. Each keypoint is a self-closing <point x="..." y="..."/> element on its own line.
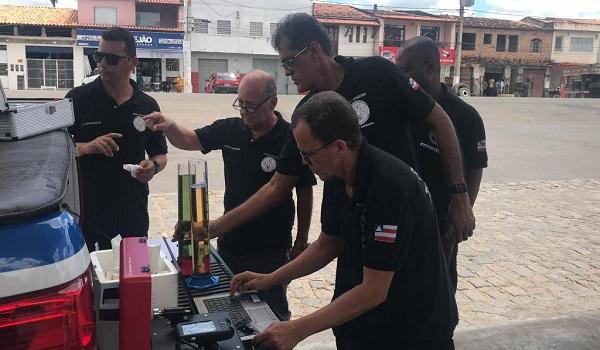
<point x="108" y="135"/>
<point x="387" y="103"/>
<point x="250" y="147"/>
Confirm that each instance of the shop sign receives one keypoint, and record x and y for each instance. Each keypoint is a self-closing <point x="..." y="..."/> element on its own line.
<point x="390" y="53"/>
<point x="143" y="40"/>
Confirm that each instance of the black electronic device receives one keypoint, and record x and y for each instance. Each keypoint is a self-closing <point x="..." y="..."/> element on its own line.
<point x="206" y="328"/>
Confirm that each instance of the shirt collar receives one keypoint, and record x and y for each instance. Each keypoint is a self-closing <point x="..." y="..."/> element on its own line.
<point x="276" y="131"/>
<point x="99" y="90"/>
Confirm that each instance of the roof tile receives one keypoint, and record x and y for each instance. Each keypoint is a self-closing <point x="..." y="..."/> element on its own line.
<point x="342" y="14"/>
<point x="33" y="15"/>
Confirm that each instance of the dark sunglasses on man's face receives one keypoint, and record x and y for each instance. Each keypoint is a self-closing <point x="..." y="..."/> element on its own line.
<point x="111" y="58"/>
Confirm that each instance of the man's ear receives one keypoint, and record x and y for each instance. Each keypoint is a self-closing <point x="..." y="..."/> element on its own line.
<point x="134" y="62"/>
<point x="273" y="103"/>
<point x="314" y="48"/>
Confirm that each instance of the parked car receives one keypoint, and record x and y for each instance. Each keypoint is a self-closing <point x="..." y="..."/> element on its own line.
<point x="46" y="295"/>
<point x="220" y="82"/>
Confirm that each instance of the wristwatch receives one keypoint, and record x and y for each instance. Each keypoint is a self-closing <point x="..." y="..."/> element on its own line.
<point x="458" y="188"/>
<point x="156" y="166"/>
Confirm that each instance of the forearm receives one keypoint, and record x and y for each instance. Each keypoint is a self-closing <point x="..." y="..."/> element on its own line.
<point x="304" y="197"/>
<point x="276" y="190"/>
<point x="182" y="138"/>
<point x="316" y="256"/>
<point x="82" y="148"/>
<point x="161" y="159"/>
<point x="473" y="177"/>
<point x="448" y="145"/>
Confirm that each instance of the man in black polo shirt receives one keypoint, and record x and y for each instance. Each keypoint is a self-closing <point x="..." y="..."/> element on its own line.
<point x="419" y="58"/>
<point x="250" y="146"/>
<point x="392" y="288"/>
<point x="109" y="133"/>
<point x="386" y="101"/>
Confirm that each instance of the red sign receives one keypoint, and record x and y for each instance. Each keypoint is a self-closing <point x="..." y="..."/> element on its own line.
<point x="390" y="53"/>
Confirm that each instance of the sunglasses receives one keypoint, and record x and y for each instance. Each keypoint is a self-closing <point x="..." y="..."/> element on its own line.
<point x="288" y="63"/>
<point x="111" y="58"/>
<point x="250" y="109"/>
<point x="306" y="155"/>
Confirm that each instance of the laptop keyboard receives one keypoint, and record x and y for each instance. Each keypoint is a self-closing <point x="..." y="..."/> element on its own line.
<point x="234" y="306"/>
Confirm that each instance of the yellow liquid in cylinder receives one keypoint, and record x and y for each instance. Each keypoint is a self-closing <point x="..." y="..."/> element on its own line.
<point x="199" y="223"/>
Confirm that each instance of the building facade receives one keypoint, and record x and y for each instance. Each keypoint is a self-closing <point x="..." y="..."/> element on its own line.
<point x="514" y="52"/>
<point x="227" y="37"/>
<point x="37" y="48"/>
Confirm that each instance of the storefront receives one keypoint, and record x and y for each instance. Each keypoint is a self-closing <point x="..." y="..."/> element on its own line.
<point x="160" y="54"/>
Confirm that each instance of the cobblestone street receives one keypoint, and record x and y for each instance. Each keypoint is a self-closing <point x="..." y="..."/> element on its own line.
<point x="535" y="252"/>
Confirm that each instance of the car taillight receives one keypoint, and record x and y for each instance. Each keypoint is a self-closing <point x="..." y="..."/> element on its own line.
<point x="57" y="318"/>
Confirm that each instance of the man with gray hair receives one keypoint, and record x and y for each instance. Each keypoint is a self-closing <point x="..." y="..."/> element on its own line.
<point x="392" y="287"/>
<point x="250" y="146"/>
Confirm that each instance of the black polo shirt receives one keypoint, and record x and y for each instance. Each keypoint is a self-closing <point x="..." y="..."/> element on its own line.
<point x="249" y="164"/>
<point x="113" y="201"/>
<point x="390" y="225"/>
<point x="386" y="101"/>
<point x="471" y="136"/>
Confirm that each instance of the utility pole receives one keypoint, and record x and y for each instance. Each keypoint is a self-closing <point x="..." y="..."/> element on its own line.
<point x="458" y="48"/>
<point x="187" y="48"/>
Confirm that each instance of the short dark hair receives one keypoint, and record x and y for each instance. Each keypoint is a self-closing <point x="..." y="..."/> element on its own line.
<point x="421" y="49"/>
<point x="330" y="117"/>
<point x="300" y="29"/>
<point x="121" y="34"/>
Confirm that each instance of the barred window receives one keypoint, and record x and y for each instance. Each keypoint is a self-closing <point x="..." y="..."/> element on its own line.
<point x="256" y="29"/>
<point x="536" y="45"/>
<point x="224" y="27"/>
<point x="201" y="25"/>
<point x="274" y="27"/>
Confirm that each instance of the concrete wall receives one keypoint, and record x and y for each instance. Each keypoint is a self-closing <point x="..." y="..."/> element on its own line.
<point x="125" y="10"/>
<point x="357" y="49"/>
<point x="566" y="56"/>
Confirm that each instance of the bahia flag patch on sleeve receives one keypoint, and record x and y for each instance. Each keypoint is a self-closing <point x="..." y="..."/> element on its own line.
<point x="386" y="233"/>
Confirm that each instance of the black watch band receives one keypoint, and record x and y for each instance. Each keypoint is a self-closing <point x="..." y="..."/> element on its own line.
<point x="156" y="166"/>
<point x="458" y="188"/>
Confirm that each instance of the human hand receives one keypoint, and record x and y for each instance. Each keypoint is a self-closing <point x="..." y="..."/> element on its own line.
<point x="278" y="336"/>
<point x="461" y="218"/>
<point x="146" y="172"/>
<point x="250" y="281"/>
<point x="182" y="231"/>
<point x="157" y="121"/>
<point x="104" y="144"/>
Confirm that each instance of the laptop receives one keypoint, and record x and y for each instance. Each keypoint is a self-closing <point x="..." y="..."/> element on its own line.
<point x="249" y="313"/>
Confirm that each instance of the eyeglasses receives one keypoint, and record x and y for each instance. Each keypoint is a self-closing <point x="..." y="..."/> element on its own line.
<point x="250" y="109"/>
<point x="306" y="155"/>
<point x="288" y="63"/>
<point x="111" y="58"/>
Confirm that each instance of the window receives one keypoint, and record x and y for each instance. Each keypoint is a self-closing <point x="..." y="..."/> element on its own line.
<point x="201" y="25"/>
<point x="513" y="43"/>
<point x="224" y="27"/>
<point x="3" y="68"/>
<point x="59" y="32"/>
<point x="332" y="33"/>
<point x="172" y="64"/>
<point x="357" y="34"/>
<point x="393" y="35"/>
<point x="432" y="33"/>
<point x="29" y="30"/>
<point x="501" y="43"/>
<point x="536" y="45"/>
<point x="105" y="15"/>
<point x="487" y="39"/>
<point x="273" y="28"/>
<point x="365" y="34"/>
<point x="147" y="19"/>
<point x="558" y="43"/>
<point x="7" y="30"/>
<point x="2" y="47"/>
<point x="349" y="33"/>
<point x="256" y="29"/>
<point x="468" y="41"/>
<point x="581" y="44"/>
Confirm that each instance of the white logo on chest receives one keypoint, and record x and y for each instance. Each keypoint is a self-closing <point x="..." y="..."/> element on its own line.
<point x="362" y="111"/>
<point x="268" y="164"/>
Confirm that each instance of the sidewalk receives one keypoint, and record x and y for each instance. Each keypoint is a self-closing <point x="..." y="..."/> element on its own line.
<point x="535" y="253"/>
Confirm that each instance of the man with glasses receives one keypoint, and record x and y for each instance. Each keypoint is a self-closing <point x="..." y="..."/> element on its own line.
<point x="109" y="133"/>
<point x="392" y="288"/>
<point x="387" y="103"/>
<point x="250" y="147"/>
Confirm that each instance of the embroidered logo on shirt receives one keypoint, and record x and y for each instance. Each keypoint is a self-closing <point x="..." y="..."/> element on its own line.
<point x="386" y="233"/>
<point x="413" y="84"/>
<point x="362" y="111"/>
<point x="481" y="146"/>
<point x="91" y="123"/>
<point x="231" y="148"/>
<point x="268" y="164"/>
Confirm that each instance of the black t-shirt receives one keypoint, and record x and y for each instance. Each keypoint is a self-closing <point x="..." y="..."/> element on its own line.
<point x="249" y="164"/>
<point x="386" y="102"/>
<point x="471" y="136"/>
<point x="390" y="225"/>
<point x="113" y="201"/>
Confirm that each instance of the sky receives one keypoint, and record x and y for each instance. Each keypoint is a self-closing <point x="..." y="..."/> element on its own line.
<point x="505" y="9"/>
